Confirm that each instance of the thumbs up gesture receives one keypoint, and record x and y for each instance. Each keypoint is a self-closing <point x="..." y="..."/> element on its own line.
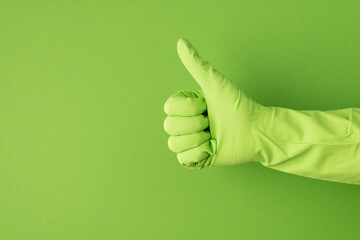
<point x="220" y="125"/>
<point x="211" y="126"/>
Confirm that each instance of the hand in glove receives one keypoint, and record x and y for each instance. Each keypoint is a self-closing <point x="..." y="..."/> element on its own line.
<point x="221" y="125"/>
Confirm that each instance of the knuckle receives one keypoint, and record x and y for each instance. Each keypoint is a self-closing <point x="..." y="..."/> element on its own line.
<point x="167" y="124"/>
<point x="172" y="144"/>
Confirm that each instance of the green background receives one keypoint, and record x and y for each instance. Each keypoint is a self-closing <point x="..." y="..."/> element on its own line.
<point x="83" y="153"/>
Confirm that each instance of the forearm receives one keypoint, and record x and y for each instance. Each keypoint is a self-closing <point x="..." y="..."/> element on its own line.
<point x="317" y="144"/>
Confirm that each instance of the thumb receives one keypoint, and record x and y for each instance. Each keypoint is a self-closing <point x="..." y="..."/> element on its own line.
<point x="202" y="71"/>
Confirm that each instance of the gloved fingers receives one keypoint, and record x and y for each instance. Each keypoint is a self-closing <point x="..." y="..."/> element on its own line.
<point x="178" y="125"/>
<point x="185" y="142"/>
<point x="184" y="103"/>
<point x="194" y="156"/>
<point x="202" y="71"/>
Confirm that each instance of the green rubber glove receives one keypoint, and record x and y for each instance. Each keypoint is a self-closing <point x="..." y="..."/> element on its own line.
<point x="221" y="125"/>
